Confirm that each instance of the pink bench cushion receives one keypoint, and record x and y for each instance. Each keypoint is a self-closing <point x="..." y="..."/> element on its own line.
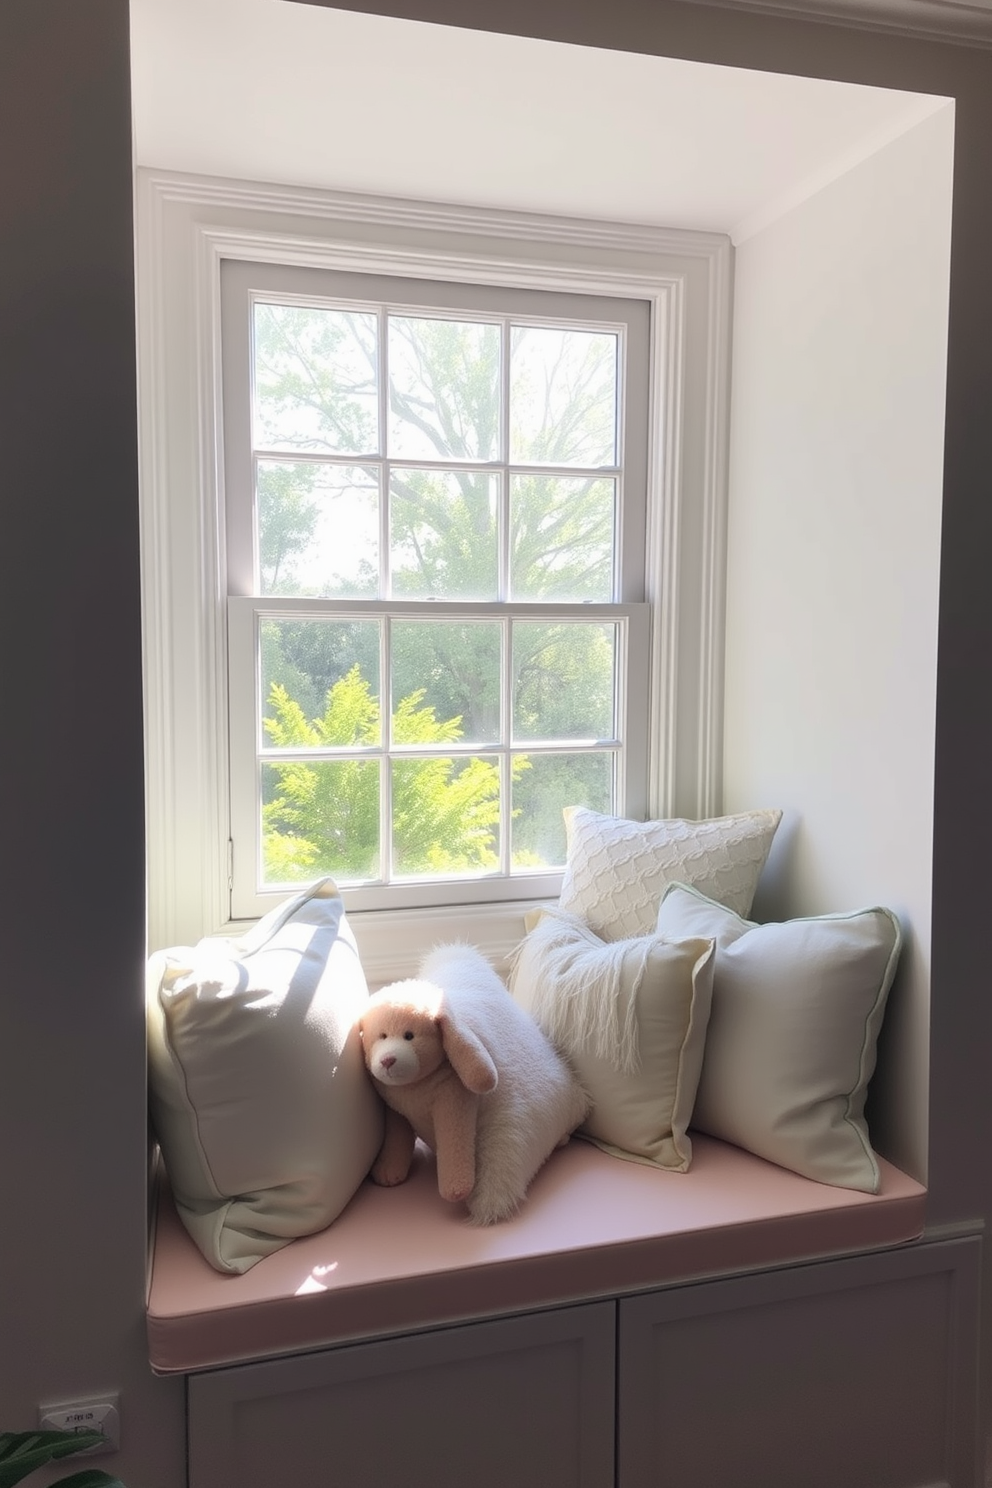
<point x="592" y="1225"/>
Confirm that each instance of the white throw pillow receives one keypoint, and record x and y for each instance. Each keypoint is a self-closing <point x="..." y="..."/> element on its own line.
<point x="266" y="1117"/>
<point x="790" y="1048"/>
<point x="616" y="871"/>
<point x="630" y="1016"/>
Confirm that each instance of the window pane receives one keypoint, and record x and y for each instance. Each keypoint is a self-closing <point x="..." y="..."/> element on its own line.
<point x="561" y="538"/>
<point x="563" y="396"/>
<point x="443" y="532"/>
<point x="563" y="681"/>
<point x="318" y="529"/>
<point x="315" y="380"/>
<point x="543" y="785"/>
<point x="445" y="816"/>
<point x="320" y="684"/>
<point x="443" y="389"/>
<point x="446" y="682"/>
<point x="319" y="818"/>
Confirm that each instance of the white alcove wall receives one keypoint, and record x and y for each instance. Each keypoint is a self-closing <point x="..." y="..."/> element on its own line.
<point x="837" y="425"/>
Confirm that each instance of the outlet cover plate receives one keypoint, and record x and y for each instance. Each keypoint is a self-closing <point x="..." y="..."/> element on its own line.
<point x="86" y="1415"/>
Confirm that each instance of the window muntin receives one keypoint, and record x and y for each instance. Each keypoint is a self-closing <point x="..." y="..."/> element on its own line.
<point x="399" y="460"/>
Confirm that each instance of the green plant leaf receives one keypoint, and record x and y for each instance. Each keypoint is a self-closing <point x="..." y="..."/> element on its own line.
<point x="22" y="1452"/>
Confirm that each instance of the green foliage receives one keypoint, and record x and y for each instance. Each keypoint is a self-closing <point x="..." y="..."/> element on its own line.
<point x="444" y="534"/>
<point x="23" y="1452"/>
<point x="315" y="377"/>
<point x="323" y="817"/>
<point x="287" y="516"/>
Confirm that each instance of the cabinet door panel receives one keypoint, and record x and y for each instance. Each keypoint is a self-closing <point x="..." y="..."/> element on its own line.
<point x="516" y="1403"/>
<point x="852" y="1374"/>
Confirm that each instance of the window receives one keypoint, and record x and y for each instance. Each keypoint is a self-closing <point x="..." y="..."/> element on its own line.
<point x="435" y="540"/>
<point x="234" y="594"/>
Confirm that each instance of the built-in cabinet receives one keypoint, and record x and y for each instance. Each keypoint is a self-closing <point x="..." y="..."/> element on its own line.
<point x="521" y="1402"/>
<point x="859" y="1372"/>
<point x="855" y="1373"/>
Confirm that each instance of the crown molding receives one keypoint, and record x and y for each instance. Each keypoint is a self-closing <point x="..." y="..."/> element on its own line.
<point x="327" y="209"/>
<point x="966" y="22"/>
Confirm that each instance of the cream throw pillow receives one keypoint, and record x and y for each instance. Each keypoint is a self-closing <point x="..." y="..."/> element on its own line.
<point x="266" y="1117"/>
<point x="630" y="1016"/>
<point x="790" y="1049"/>
<point x="616" y="871"/>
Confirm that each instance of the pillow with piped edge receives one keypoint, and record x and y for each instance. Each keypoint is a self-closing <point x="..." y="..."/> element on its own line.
<point x="259" y="1095"/>
<point x="791" y="1044"/>
<point x="630" y="1016"/>
<point x="616" y="870"/>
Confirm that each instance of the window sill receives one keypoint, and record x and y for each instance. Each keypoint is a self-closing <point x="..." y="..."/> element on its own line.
<point x="391" y="942"/>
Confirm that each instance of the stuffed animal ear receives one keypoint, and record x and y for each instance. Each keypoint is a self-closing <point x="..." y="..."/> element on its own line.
<point x="469" y="1057"/>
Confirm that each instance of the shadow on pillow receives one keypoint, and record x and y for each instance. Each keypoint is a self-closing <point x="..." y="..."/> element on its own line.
<point x="258" y="1090"/>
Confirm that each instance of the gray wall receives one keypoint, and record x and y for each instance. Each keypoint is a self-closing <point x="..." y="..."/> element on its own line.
<point x="72" y="1124"/>
<point x="71" y="1055"/>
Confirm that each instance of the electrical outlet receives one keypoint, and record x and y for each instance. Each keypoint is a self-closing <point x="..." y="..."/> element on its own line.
<point x="101" y="1415"/>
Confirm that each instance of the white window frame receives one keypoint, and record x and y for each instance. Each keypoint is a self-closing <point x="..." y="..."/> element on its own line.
<point x="186" y="226"/>
<point x="247" y="284"/>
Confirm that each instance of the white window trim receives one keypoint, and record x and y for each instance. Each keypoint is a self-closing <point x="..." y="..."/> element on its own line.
<point x="185" y="226"/>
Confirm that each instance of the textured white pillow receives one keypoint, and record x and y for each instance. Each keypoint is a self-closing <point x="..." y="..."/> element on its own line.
<point x="630" y="1016"/>
<point x="260" y="1099"/>
<point x="616" y="870"/>
<point x="790" y="1048"/>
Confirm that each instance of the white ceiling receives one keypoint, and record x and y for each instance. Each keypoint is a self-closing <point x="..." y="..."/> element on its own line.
<point x="273" y="91"/>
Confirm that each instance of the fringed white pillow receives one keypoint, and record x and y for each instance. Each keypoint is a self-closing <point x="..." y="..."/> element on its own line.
<point x="631" y="1017"/>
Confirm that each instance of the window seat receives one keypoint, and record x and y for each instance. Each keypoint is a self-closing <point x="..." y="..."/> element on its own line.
<point x="401" y="1259"/>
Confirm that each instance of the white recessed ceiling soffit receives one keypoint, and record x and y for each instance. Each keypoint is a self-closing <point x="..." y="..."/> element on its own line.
<point x="301" y="95"/>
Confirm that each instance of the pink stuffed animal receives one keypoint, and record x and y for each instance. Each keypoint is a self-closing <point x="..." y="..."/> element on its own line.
<point x="462" y="1066"/>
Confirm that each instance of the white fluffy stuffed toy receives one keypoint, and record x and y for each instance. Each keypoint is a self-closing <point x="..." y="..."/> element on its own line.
<point x="462" y="1066"/>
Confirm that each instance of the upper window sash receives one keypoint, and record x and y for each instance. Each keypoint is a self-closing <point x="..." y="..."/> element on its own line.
<point x="244" y="284"/>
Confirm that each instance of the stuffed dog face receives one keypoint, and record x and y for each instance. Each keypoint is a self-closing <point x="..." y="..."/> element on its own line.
<point x="402" y="1043"/>
<point x="407" y="1034"/>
